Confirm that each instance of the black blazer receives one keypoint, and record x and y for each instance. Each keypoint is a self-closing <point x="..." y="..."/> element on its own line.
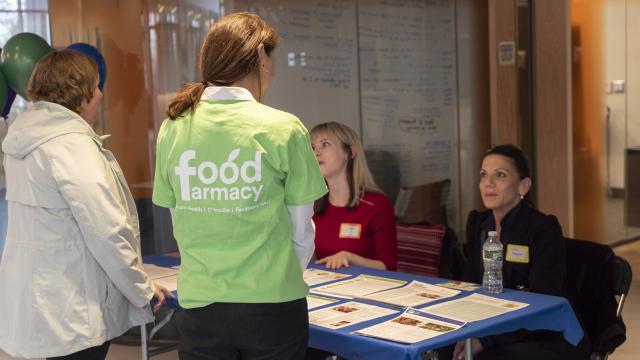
<point x="544" y="273"/>
<point x="546" y="270"/>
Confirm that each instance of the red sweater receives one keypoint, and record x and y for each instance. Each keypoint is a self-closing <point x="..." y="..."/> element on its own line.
<point x="368" y="230"/>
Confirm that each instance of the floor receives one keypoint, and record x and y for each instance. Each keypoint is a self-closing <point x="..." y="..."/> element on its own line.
<point x="121" y="352"/>
<point x="614" y="226"/>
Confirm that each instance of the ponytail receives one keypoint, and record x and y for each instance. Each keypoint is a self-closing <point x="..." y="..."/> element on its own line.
<point x="186" y="99"/>
<point x="229" y="54"/>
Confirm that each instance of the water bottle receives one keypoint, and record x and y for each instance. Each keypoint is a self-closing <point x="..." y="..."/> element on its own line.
<point x="492" y="257"/>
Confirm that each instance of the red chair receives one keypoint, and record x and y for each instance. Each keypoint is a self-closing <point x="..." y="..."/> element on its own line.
<point x="419" y="248"/>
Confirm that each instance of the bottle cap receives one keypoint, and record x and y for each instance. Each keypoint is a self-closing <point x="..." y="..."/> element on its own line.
<point x="493" y="233"/>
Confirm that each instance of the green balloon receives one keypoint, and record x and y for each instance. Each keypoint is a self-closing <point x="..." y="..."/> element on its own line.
<point x="19" y="56"/>
<point x="4" y="91"/>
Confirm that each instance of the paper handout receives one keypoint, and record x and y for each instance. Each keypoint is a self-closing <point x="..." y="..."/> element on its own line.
<point x="350" y="313"/>
<point x="412" y="326"/>
<point x="474" y="307"/>
<point x="314" y="301"/>
<point x="415" y="293"/>
<point x="459" y="285"/>
<point x="317" y="276"/>
<point x="359" y="286"/>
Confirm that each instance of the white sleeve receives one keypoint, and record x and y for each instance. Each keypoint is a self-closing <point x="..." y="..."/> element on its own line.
<point x="303" y="232"/>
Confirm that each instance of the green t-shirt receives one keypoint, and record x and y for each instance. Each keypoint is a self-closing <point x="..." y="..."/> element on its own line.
<point x="230" y="169"/>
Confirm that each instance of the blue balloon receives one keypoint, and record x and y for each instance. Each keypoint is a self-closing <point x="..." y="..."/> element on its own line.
<point x="94" y="54"/>
<point x="7" y="95"/>
<point x="11" y="95"/>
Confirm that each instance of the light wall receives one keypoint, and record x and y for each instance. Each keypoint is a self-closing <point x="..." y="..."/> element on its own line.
<point x="473" y="98"/>
<point x="615" y="68"/>
<point x="551" y="94"/>
<point x="621" y="54"/>
<point x="505" y="127"/>
<point x="588" y="118"/>
<point x="552" y="110"/>
<point x="633" y="73"/>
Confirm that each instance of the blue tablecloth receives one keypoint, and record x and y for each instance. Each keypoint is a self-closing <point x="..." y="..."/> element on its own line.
<point x="543" y="313"/>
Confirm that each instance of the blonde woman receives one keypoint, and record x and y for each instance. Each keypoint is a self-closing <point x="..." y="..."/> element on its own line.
<point x="355" y="222"/>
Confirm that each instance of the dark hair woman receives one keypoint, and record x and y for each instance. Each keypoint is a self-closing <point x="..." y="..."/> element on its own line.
<point x="534" y="255"/>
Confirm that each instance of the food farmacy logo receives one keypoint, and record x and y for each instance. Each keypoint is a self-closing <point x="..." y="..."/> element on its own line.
<point x="222" y="177"/>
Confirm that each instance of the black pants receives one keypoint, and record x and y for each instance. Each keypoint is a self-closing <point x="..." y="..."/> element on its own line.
<point x="317" y="354"/>
<point x="93" y="353"/>
<point x="224" y="331"/>
<point x="545" y="345"/>
<point x="531" y="345"/>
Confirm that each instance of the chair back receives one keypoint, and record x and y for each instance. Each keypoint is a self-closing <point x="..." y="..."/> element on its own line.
<point x="620" y="275"/>
<point x="423" y="203"/>
<point x="594" y="277"/>
<point x="419" y="248"/>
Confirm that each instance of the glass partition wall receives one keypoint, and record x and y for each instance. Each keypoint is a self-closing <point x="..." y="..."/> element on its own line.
<point x="388" y="69"/>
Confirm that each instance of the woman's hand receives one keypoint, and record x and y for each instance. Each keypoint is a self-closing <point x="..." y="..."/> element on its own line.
<point x="160" y="293"/>
<point x="337" y="260"/>
<point x="458" y="352"/>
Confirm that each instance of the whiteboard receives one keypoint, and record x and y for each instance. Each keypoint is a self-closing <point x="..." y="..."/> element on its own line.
<point x="386" y="68"/>
<point x="408" y="80"/>
<point x="408" y="75"/>
<point x="316" y="60"/>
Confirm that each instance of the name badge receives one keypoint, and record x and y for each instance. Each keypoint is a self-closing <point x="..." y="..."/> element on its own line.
<point x="518" y="253"/>
<point x="349" y="231"/>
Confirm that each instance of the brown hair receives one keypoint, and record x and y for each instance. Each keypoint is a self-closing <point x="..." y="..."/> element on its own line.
<point x="64" y="77"/>
<point x="229" y="53"/>
<point x="359" y="177"/>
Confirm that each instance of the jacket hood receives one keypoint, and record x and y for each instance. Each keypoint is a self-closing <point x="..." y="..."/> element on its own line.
<point x="42" y="122"/>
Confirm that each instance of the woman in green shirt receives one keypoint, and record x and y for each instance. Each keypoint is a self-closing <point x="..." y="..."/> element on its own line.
<point x="241" y="179"/>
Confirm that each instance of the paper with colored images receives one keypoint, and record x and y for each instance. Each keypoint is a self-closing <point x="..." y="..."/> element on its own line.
<point x="460" y="285"/>
<point x="347" y="314"/>
<point x="414" y="294"/>
<point x="314" y="301"/>
<point x="474" y="307"/>
<point x="317" y="276"/>
<point x="359" y="286"/>
<point x="410" y="327"/>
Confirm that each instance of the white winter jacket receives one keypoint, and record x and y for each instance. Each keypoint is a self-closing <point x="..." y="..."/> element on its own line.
<point x="4" y="126"/>
<point x="71" y="275"/>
